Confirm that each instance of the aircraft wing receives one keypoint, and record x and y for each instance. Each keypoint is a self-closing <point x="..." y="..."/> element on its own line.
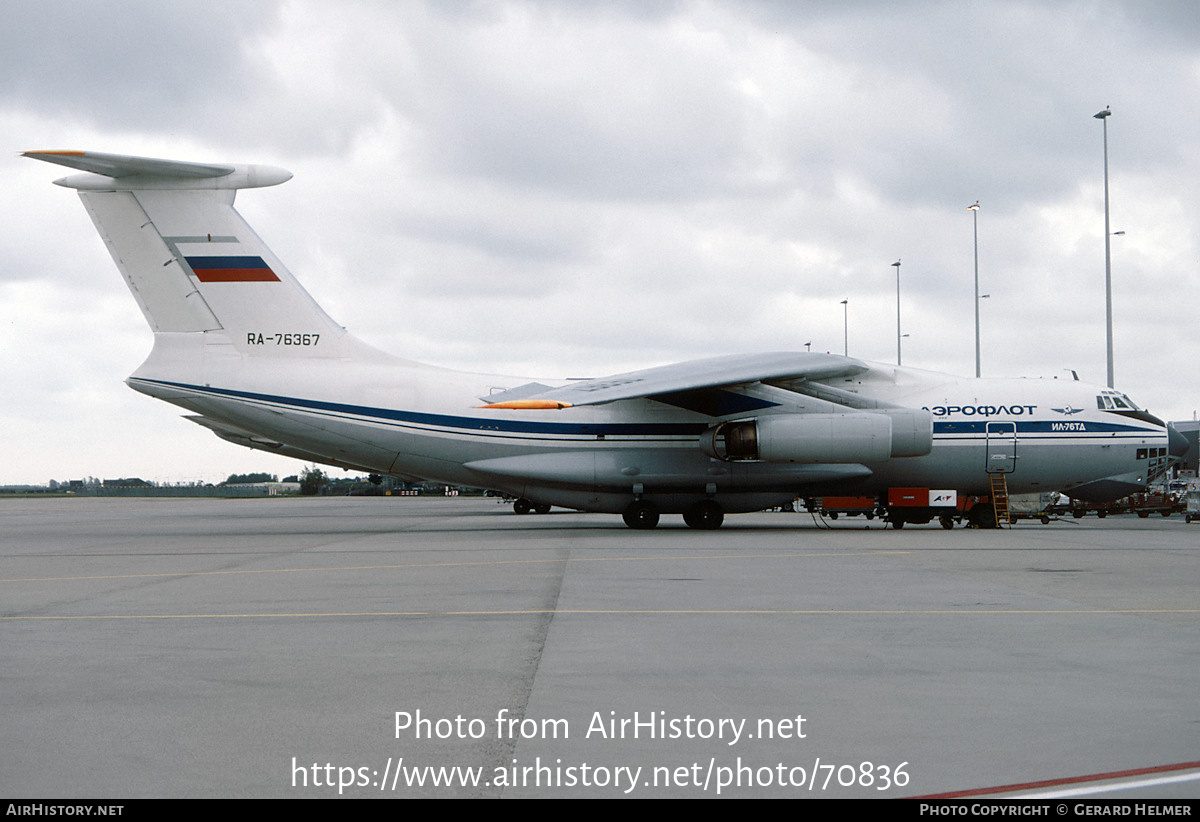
<point x="714" y="372"/>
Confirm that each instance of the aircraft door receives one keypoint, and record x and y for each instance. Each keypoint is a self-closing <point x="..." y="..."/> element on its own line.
<point x="1001" y="447"/>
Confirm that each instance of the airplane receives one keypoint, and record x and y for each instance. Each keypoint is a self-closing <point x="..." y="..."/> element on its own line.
<point x="242" y="346"/>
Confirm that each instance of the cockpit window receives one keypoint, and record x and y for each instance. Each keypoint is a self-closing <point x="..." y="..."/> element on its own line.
<point x="1115" y="401"/>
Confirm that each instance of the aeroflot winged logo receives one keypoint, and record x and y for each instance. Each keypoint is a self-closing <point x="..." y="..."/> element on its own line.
<point x="231" y="270"/>
<point x="1068" y="410"/>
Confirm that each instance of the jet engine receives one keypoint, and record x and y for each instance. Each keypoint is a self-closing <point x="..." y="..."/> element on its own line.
<point x="845" y="438"/>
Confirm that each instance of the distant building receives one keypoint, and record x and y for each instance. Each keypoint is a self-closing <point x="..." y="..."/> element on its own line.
<point x="270" y="489"/>
<point x="130" y="482"/>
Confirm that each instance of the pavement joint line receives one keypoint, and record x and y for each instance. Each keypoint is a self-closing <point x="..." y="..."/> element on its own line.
<point x="452" y="565"/>
<point x="645" y="612"/>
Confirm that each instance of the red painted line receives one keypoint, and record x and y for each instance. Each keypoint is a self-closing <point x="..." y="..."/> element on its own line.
<point x="1070" y="780"/>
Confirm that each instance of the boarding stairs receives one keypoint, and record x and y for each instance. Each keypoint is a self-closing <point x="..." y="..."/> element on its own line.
<point x="1000" y="498"/>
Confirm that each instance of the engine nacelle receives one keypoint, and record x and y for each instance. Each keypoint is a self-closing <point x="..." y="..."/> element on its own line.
<point x="837" y="438"/>
<point x="912" y="431"/>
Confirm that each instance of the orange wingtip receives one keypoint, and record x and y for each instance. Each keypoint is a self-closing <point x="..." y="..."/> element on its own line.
<point x="526" y="405"/>
<point x="62" y="153"/>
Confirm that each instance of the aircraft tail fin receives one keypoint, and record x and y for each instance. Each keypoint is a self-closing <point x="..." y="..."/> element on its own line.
<point x="192" y="262"/>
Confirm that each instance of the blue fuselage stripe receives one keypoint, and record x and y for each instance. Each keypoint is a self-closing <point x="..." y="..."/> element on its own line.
<point x="943" y="430"/>
<point x="1038" y="427"/>
<point x="482" y="424"/>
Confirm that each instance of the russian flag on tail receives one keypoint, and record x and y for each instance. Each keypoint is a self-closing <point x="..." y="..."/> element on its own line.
<point x="231" y="270"/>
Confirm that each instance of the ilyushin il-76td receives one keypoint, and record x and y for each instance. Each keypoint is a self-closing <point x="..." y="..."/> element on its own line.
<point x="244" y="348"/>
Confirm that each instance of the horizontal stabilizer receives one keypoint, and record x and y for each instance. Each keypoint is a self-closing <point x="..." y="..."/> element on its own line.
<point x="123" y="172"/>
<point x="120" y="165"/>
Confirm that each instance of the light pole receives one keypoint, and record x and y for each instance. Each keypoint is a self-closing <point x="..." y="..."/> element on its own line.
<point x="974" y="209"/>
<point x="1103" y="116"/>
<point x="896" y="265"/>
<point x="846" y="327"/>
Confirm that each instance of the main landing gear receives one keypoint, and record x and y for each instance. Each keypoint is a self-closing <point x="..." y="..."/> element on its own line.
<point x="705" y="515"/>
<point x="524" y="506"/>
<point x="641" y="514"/>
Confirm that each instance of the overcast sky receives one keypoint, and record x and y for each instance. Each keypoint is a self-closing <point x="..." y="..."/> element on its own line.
<point x="579" y="188"/>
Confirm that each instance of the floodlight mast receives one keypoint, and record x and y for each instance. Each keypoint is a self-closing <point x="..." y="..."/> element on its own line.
<point x="1103" y="116"/>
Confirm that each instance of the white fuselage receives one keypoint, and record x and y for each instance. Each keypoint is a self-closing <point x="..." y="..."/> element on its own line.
<point x="378" y="413"/>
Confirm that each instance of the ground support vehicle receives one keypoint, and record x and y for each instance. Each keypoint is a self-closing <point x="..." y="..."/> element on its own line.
<point x="911" y="506"/>
<point x="833" y="507"/>
<point x="1157" y="503"/>
<point x="1033" y="506"/>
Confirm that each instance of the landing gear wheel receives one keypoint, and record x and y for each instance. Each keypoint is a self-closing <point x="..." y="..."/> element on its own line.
<point x="705" y="515"/>
<point x="541" y="508"/>
<point x="641" y="514"/>
<point x="522" y="506"/>
<point x="983" y="516"/>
